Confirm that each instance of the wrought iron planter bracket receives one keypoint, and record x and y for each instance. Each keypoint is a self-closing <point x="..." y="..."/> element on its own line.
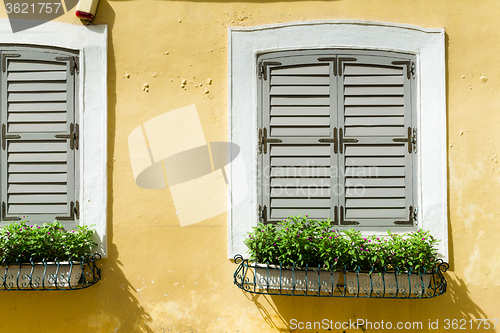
<point x="57" y="275"/>
<point x="266" y="279"/>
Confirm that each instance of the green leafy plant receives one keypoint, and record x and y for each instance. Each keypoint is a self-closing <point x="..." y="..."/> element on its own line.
<point x="22" y="242"/>
<point x="299" y="241"/>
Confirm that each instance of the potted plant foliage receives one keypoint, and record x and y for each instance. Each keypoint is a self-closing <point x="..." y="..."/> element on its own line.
<point x="304" y="254"/>
<point x="299" y="254"/>
<point x="396" y="263"/>
<point x="47" y="255"/>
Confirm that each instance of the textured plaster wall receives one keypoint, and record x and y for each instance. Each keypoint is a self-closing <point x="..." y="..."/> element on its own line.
<point x="159" y="277"/>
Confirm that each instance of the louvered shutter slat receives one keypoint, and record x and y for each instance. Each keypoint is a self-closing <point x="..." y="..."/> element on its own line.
<point x="304" y="81"/>
<point x="37" y="76"/>
<point x="44" y="188"/>
<point x="301" y="131"/>
<point x="37" y="117"/>
<point x="36" y="87"/>
<point x="38" y="169"/>
<point x="28" y="209"/>
<point x="38" y="199"/>
<point x="42" y="107"/>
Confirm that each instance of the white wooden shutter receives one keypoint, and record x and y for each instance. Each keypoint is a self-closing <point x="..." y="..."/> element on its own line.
<point x="375" y="115"/>
<point x="297" y="96"/>
<point x="39" y="136"/>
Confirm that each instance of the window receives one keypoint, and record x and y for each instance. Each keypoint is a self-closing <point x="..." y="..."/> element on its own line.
<point x="336" y="137"/>
<point x="425" y="188"/>
<point x="53" y="112"/>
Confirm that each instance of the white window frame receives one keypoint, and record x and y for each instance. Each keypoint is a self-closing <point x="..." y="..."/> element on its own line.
<point x="428" y="45"/>
<point x="91" y="42"/>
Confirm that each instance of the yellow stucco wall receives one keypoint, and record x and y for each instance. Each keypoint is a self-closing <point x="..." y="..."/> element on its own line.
<point x="160" y="277"/>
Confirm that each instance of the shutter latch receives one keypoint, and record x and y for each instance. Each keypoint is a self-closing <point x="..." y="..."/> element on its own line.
<point x="6" y="137"/>
<point x="263" y="68"/>
<point x="72" y="136"/>
<point x="411" y="140"/>
<point x="264" y="140"/>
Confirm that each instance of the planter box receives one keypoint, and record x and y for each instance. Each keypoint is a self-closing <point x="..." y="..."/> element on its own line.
<point x="377" y="281"/>
<point x="40" y="275"/>
<point x="309" y="281"/>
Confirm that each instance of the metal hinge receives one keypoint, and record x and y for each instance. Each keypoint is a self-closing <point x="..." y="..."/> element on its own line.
<point x="332" y="59"/>
<point x="410" y="67"/>
<point x="412" y="217"/>
<point x="263" y="68"/>
<point x="342" y="221"/>
<point x="6" y="136"/>
<point x="264" y="140"/>
<point x="411" y="140"/>
<point x="4" y="214"/>
<point x="335" y="141"/>
<point x="263" y="214"/>
<point x="73" y="63"/>
<point x="74" y="133"/>
<point x="74" y="212"/>
<point x="4" y="60"/>
<point x="341" y="60"/>
<point x="342" y="140"/>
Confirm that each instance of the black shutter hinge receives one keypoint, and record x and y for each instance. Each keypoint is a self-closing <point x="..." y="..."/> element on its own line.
<point x="343" y="140"/>
<point x="73" y="136"/>
<point x="4" y="60"/>
<point x="264" y="140"/>
<point x="344" y="222"/>
<point x="411" y="140"/>
<point x="4" y="214"/>
<point x="412" y="217"/>
<point x="341" y="60"/>
<point x="74" y="212"/>
<point x="74" y="62"/>
<point x="334" y="62"/>
<point x="263" y="214"/>
<point x="410" y="67"/>
<point x="263" y="68"/>
<point x="335" y="141"/>
<point x="6" y="137"/>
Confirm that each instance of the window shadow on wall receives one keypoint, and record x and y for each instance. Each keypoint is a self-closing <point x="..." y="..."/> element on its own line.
<point x="288" y="313"/>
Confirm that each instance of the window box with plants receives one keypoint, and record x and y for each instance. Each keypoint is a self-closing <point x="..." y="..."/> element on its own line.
<point x="310" y="258"/>
<point x="47" y="257"/>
